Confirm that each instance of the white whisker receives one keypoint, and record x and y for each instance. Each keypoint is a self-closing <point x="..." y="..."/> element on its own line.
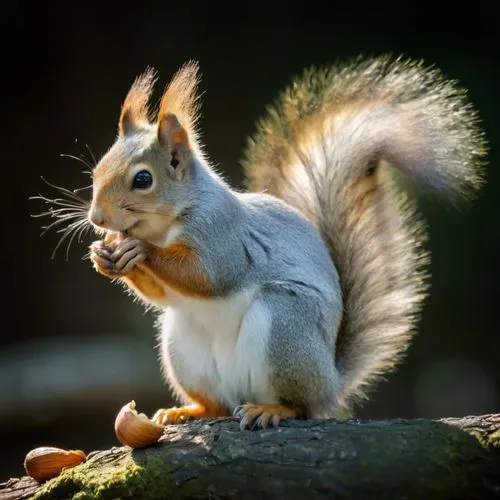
<point x="77" y="158"/>
<point x="67" y="192"/>
<point x="66" y="232"/>
<point x="91" y="154"/>
<point x="60" y="212"/>
<point x="72" y="225"/>
<point x="69" y="214"/>
<point x="76" y="232"/>
<point x="77" y="190"/>
<point x="61" y="220"/>
<point x="61" y="202"/>
<point x="145" y="209"/>
<point x="57" y="223"/>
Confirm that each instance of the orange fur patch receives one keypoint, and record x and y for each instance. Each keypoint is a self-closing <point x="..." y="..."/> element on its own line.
<point x="202" y="407"/>
<point x="138" y="279"/>
<point x="212" y="408"/>
<point x="180" y="268"/>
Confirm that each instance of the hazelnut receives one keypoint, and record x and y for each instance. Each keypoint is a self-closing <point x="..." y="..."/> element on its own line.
<point x="111" y="237"/>
<point x="47" y="462"/>
<point x="136" y="429"/>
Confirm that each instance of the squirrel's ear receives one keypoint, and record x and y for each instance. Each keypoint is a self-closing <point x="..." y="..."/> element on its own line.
<point x="135" y="110"/>
<point x="174" y="139"/>
<point x="177" y="118"/>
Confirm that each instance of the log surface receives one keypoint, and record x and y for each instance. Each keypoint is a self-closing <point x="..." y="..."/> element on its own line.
<point x="388" y="459"/>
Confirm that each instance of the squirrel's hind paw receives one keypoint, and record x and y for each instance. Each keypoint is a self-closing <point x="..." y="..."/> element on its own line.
<point x="168" y="416"/>
<point x="254" y="416"/>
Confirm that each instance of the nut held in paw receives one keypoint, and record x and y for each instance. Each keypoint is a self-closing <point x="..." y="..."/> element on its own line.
<point x="47" y="462"/>
<point x="136" y="429"/>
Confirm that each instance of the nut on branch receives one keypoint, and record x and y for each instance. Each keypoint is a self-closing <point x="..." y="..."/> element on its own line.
<point x="136" y="429"/>
<point x="47" y="462"/>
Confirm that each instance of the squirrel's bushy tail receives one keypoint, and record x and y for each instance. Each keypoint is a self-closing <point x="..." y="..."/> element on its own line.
<point x="330" y="146"/>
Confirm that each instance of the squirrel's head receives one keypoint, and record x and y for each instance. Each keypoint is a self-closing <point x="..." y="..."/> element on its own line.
<point x="139" y="185"/>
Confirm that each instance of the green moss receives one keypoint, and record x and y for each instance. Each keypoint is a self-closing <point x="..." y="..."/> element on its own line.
<point x="430" y="459"/>
<point x="461" y="463"/>
<point x="122" y="478"/>
<point x="488" y="440"/>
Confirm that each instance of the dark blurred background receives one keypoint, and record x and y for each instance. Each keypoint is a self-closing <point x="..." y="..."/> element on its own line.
<point x="73" y="347"/>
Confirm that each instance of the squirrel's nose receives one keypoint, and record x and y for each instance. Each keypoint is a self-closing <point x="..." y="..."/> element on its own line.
<point x="97" y="216"/>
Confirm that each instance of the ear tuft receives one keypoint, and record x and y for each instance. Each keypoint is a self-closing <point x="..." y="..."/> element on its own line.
<point x="135" y="109"/>
<point x="180" y="102"/>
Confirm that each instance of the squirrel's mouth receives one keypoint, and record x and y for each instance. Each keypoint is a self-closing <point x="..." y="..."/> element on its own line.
<point x="126" y="232"/>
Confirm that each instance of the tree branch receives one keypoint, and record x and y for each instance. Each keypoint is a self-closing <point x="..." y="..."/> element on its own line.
<point x="394" y="459"/>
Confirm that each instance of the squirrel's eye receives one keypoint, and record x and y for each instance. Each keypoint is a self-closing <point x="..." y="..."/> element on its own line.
<point x="142" y="180"/>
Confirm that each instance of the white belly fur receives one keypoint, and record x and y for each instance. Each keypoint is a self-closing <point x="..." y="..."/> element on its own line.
<point x="220" y="347"/>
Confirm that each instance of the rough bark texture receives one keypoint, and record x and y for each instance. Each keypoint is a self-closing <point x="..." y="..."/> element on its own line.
<point x="396" y="459"/>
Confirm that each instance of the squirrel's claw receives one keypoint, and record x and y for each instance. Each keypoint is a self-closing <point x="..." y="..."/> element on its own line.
<point x="263" y="416"/>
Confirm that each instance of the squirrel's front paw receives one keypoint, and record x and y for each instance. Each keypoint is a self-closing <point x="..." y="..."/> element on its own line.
<point x="117" y="260"/>
<point x="100" y="255"/>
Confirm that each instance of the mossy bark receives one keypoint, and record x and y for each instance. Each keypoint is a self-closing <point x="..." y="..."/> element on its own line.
<point x="396" y="459"/>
